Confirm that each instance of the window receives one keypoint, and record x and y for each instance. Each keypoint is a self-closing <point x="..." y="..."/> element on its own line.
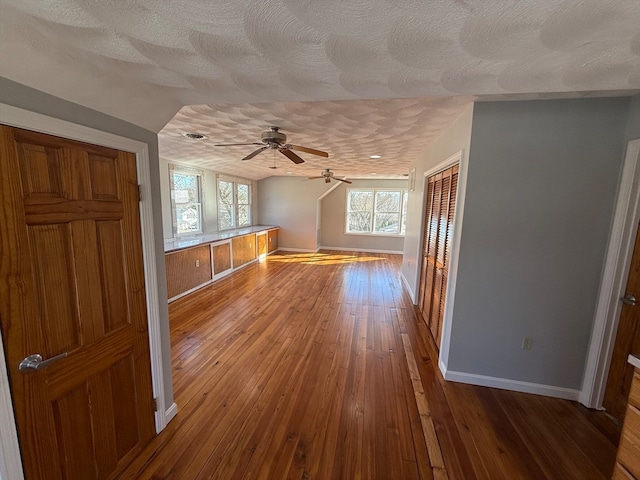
<point x="186" y="199"/>
<point x="376" y="211"/>
<point x="234" y="203"/>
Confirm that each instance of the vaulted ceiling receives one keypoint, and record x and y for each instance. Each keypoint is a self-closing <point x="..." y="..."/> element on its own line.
<point x="355" y="78"/>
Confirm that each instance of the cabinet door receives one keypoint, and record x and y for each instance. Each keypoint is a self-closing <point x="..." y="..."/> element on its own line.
<point x="221" y="254"/>
<point x="187" y="269"/>
<point x="261" y="239"/>
<point x="273" y="240"/>
<point x="244" y="249"/>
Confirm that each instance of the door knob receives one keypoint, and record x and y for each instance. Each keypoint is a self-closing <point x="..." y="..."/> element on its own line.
<point x="35" y="362"/>
<point x="629" y="299"/>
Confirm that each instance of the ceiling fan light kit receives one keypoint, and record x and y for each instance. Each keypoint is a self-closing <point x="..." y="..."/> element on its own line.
<point x="327" y="174"/>
<point x="276" y="140"/>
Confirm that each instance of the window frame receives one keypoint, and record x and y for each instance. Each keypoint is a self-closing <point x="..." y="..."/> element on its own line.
<point x="403" y="192"/>
<point x="199" y="174"/>
<point x="235" y="205"/>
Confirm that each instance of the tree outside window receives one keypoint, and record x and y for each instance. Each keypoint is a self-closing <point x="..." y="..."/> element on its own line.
<point x="226" y="208"/>
<point x="374" y="211"/>
<point x="359" y="209"/>
<point x="243" y="194"/>
<point x="186" y="200"/>
<point x="234" y="203"/>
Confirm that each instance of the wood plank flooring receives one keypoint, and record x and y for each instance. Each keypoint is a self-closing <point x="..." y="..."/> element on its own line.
<point x="295" y="368"/>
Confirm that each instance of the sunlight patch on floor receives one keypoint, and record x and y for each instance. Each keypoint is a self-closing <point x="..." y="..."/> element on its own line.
<point x="321" y="258"/>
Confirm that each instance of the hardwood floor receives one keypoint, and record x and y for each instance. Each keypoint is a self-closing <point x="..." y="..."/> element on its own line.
<point x="295" y="368"/>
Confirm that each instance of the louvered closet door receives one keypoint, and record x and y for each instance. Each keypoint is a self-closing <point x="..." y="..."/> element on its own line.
<point x="438" y="228"/>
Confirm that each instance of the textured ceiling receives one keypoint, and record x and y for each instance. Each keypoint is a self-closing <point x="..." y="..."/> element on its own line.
<point x="397" y="130"/>
<point x="142" y="60"/>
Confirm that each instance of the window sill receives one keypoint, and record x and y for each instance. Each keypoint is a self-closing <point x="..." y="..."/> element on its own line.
<point x="367" y="234"/>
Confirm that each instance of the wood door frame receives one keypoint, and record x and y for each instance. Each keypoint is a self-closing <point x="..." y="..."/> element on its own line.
<point x="460" y="159"/>
<point x="10" y="458"/>
<point x="614" y="279"/>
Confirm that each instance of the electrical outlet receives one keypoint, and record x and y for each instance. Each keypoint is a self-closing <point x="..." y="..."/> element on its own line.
<point x="197" y="263"/>
<point x="527" y="343"/>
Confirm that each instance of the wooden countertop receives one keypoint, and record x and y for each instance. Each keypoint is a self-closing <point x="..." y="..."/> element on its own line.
<point x="173" y="244"/>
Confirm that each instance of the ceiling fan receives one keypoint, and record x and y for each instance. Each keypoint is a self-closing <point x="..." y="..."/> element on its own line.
<point x="276" y="140"/>
<point x="327" y="174"/>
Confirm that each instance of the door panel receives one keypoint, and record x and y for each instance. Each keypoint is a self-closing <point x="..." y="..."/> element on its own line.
<point x="438" y="226"/>
<point x="262" y="244"/>
<point x="627" y="341"/>
<point x="71" y="272"/>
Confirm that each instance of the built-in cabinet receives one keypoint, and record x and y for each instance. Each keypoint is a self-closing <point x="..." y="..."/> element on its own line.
<point x="187" y="269"/>
<point x="244" y="250"/>
<point x="221" y="254"/>
<point x="192" y="267"/>
<point x="628" y="459"/>
<point x="261" y="242"/>
<point x="273" y="240"/>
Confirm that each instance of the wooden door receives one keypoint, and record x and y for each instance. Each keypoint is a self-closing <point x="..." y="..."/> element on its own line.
<point x="71" y="281"/>
<point x="627" y="341"/>
<point x="440" y="205"/>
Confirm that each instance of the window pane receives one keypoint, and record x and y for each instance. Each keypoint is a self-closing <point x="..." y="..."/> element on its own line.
<point x="360" y="201"/>
<point x="225" y="219"/>
<point x="243" y="215"/>
<point x="405" y="200"/>
<point x="185" y="202"/>
<point x="359" y="222"/>
<point x="386" y="223"/>
<point x="225" y="205"/>
<point x="188" y="218"/>
<point x="387" y="201"/>
<point x="225" y="192"/>
<point x="225" y="215"/>
<point x="243" y="194"/>
<point x="185" y="187"/>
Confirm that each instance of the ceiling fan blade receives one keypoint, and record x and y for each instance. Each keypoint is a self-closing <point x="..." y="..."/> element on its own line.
<point x="312" y="151"/>
<point x="342" y="180"/>
<point x="253" y="154"/>
<point x="313" y="178"/>
<point x="236" y="144"/>
<point x="289" y="154"/>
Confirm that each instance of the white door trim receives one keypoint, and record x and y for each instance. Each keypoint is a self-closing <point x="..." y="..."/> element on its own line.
<point x="10" y="460"/>
<point x="460" y="159"/>
<point x="614" y="279"/>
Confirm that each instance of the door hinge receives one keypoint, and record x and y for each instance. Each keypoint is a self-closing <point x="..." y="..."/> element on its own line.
<point x="139" y="193"/>
<point x="155" y="404"/>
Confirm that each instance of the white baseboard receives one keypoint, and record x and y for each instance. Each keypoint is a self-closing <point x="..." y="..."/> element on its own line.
<point x="365" y="250"/>
<point x="170" y="413"/>
<point x="409" y="289"/>
<point x="300" y="250"/>
<point x="507" y="384"/>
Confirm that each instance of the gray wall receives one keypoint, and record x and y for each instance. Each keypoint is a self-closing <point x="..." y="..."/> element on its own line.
<point x="540" y="194"/>
<point x="291" y="203"/>
<point x="457" y="137"/>
<point x="332" y="220"/>
<point x="17" y="95"/>
<point x="209" y="199"/>
<point x="633" y="126"/>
